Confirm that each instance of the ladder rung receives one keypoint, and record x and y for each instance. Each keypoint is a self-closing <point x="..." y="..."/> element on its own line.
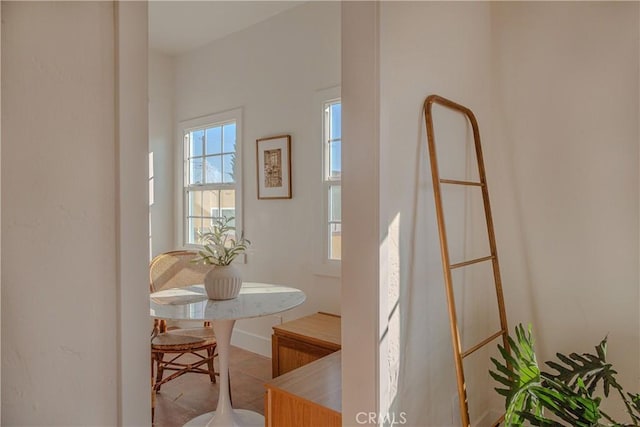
<point x="458" y="182"/>
<point x="482" y="344"/>
<point x="473" y="261"/>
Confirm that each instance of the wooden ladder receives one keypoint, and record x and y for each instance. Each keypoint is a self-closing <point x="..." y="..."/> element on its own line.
<point x="458" y="353"/>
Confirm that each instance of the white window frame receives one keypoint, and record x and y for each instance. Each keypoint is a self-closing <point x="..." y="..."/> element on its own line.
<point x="182" y="174"/>
<point x="323" y="266"/>
<point x="327" y="181"/>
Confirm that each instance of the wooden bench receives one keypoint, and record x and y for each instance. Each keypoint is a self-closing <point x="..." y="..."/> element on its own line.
<point x="309" y="396"/>
<point x="301" y="341"/>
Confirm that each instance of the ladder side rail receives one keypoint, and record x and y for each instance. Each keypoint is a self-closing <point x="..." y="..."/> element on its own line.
<point x="490" y="229"/>
<point x="444" y="251"/>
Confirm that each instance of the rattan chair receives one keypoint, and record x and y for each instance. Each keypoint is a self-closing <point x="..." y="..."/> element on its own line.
<point x="168" y="346"/>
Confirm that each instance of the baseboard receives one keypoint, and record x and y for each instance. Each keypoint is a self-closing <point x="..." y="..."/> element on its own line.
<point x="487" y="419"/>
<point x="245" y="340"/>
<point x="251" y="342"/>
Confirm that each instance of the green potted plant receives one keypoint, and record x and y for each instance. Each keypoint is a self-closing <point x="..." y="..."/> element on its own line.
<point x="569" y="393"/>
<point x="220" y="248"/>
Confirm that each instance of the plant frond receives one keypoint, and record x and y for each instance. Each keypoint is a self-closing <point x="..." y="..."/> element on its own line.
<point x="219" y="247"/>
<point x="590" y="368"/>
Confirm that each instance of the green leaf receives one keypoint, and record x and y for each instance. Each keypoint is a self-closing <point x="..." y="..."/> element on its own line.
<point x="520" y="374"/>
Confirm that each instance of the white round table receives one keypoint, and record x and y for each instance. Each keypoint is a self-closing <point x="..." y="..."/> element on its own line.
<point x="255" y="300"/>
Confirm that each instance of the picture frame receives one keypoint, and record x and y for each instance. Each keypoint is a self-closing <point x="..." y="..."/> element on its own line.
<point x="273" y="164"/>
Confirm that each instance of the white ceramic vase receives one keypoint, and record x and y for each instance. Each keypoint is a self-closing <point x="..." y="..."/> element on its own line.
<point x="223" y="282"/>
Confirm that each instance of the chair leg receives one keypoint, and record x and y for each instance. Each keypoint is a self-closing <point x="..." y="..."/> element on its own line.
<point x="153" y="407"/>
<point x="159" y="370"/>
<point x="212" y="372"/>
<point x="153" y="393"/>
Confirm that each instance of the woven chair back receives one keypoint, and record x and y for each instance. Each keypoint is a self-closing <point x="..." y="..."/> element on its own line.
<point x="175" y="270"/>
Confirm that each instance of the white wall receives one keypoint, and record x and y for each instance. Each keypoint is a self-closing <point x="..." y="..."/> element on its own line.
<point x="0" y="212"/>
<point x="132" y="213"/>
<point x="273" y="71"/>
<point x="565" y="157"/>
<point x="162" y="145"/>
<point x="74" y="336"/>
<point x="360" y="270"/>
<point x="58" y="223"/>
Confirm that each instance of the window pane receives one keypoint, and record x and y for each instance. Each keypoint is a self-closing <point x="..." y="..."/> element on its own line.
<point x="214" y="169"/>
<point x="229" y="168"/>
<point x="228" y="204"/>
<point x="335" y="203"/>
<point x="333" y="137"/>
<point x="335" y="241"/>
<point x="335" y="159"/>
<point x="195" y="171"/>
<point x="214" y="140"/>
<point x="194" y="227"/>
<point x="194" y="203"/>
<point x="207" y="223"/>
<point x="197" y="138"/>
<point x="336" y="121"/>
<point x="211" y="203"/>
<point x="229" y="138"/>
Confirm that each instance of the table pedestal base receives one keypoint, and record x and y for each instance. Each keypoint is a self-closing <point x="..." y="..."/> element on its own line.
<point x="242" y="417"/>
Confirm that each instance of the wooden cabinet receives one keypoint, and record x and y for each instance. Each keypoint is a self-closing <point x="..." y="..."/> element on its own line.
<point x="309" y="396"/>
<point x="301" y="341"/>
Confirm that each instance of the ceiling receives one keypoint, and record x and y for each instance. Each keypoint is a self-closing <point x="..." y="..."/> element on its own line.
<point x="176" y="27"/>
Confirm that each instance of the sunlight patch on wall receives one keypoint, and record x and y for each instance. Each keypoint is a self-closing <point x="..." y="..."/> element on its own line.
<point x="390" y="317"/>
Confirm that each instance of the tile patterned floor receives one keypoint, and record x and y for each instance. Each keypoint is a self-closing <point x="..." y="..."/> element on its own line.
<point x="193" y="394"/>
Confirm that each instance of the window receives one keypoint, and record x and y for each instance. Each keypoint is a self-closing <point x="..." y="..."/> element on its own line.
<point x="332" y="140"/>
<point x="211" y="171"/>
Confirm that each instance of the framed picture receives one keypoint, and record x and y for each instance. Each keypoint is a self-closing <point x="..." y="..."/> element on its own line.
<point x="274" y="167"/>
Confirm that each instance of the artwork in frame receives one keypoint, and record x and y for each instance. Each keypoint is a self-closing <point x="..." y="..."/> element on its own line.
<point x="273" y="160"/>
